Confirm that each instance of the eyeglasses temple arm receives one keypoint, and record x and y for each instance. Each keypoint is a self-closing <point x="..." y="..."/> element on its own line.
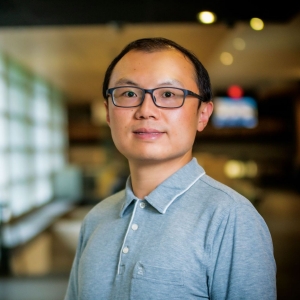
<point x="195" y="95"/>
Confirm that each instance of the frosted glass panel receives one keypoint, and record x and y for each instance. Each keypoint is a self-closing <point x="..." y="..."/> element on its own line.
<point x="58" y="139"/>
<point x="3" y="96"/>
<point x="4" y="168"/>
<point x="33" y="137"/>
<point x="3" y="132"/>
<point x="20" y="197"/>
<point x="58" y="161"/>
<point x="4" y="195"/>
<point x="16" y="73"/>
<point x="41" y="110"/>
<point x="59" y="116"/>
<point x="43" y="163"/>
<point x="40" y="86"/>
<point x="17" y="100"/>
<point x="4" y="201"/>
<point x="42" y="137"/>
<point x="43" y="191"/>
<point x="19" y="136"/>
<point x="20" y="166"/>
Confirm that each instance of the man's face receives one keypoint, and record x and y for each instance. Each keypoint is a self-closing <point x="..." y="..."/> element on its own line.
<point x="148" y="133"/>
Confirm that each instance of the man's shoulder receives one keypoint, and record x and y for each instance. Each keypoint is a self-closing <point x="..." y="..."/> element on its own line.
<point x="111" y="205"/>
<point x="221" y="193"/>
<point x="111" y="200"/>
<point x="223" y="201"/>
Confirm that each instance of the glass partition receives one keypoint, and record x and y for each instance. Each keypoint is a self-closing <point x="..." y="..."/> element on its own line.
<point x="32" y="139"/>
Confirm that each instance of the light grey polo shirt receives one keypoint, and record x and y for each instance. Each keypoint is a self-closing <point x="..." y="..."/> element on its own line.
<point x="190" y="238"/>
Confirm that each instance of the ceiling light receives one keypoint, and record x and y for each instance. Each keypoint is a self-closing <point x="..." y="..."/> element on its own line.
<point x="256" y="24"/>
<point x="239" y="169"/>
<point x="239" y="44"/>
<point x="234" y="169"/>
<point x="206" y="17"/>
<point x="226" y="58"/>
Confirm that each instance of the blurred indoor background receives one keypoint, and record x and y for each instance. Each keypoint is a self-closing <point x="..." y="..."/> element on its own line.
<point x="57" y="159"/>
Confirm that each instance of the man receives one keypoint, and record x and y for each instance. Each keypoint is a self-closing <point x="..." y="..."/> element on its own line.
<point x="174" y="232"/>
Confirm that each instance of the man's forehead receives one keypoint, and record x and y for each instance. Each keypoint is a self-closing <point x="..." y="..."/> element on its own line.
<point x="134" y="55"/>
<point x="154" y="51"/>
<point x="134" y="59"/>
<point x="129" y="81"/>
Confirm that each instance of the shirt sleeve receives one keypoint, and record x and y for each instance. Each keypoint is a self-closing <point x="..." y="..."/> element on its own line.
<point x="242" y="260"/>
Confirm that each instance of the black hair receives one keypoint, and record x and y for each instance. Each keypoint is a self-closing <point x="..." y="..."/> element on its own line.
<point x="158" y="44"/>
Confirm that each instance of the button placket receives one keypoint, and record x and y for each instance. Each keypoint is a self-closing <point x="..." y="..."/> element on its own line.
<point x="126" y="251"/>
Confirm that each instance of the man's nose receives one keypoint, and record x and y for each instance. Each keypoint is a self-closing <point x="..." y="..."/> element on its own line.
<point x="147" y="109"/>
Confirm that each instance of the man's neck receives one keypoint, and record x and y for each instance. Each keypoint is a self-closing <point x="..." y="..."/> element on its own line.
<point x="145" y="177"/>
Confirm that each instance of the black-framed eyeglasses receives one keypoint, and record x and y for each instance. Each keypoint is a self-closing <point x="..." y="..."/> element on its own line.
<point x="164" y="97"/>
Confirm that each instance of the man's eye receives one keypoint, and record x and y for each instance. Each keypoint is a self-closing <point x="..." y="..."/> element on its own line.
<point x="129" y="94"/>
<point x="167" y="94"/>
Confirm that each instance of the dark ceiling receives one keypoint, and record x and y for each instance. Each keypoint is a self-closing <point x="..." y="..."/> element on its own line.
<point x="66" y="12"/>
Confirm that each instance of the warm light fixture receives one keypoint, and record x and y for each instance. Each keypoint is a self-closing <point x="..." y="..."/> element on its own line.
<point x="240" y="169"/>
<point x="256" y="24"/>
<point x="239" y="44"/>
<point x="234" y="169"/>
<point x="206" y="17"/>
<point x="226" y="58"/>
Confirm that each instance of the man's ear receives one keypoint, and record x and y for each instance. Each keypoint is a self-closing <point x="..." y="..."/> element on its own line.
<point x="205" y="112"/>
<point x="107" y="113"/>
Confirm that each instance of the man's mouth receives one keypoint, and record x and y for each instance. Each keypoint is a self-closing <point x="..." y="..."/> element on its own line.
<point x="148" y="133"/>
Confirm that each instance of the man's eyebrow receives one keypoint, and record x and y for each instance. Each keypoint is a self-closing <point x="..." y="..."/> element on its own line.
<point x="125" y="81"/>
<point x="170" y="82"/>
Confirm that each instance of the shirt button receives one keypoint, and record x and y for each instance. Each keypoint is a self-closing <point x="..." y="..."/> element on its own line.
<point x="134" y="226"/>
<point x="142" y="205"/>
<point x="125" y="250"/>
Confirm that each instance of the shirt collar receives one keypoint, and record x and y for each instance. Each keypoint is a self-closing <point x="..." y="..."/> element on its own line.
<point x="174" y="186"/>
